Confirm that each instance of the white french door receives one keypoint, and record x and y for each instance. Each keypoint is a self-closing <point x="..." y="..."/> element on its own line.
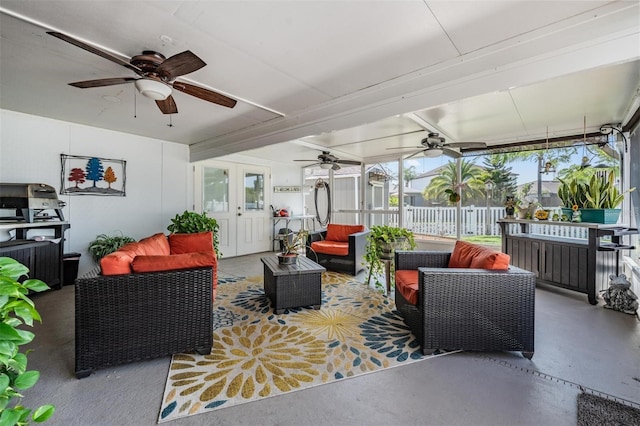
<point x="237" y="196"/>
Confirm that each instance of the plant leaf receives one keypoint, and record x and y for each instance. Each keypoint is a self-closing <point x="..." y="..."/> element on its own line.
<point x="43" y="413"/>
<point x="26" y="379"/>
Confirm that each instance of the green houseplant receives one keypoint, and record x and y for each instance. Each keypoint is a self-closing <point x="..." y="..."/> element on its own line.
<point x="105" y="244"/>
<point x="192" y="222"/>
<point x="382" y="241"/>
<point x="599" y="192"/>
<point x="16" y="310"/>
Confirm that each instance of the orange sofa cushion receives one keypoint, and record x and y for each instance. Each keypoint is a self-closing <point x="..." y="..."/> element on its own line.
<point x="191" y="243"/>
<point x="341" y="232"/>
<point x="331" y="247"/>
<point x="156" y="263"/>
<point x="155" y="244"/>
<point x="118" y="262"/>
<point x="407" y="284"/>
<point x="467" y="255"/>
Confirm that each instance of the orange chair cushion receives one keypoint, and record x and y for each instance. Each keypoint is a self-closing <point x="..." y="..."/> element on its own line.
<point x="118" y="262"/>
<point x="407" y="284"/>
<point x="156" y="263"/>
<point x="156" y="244"/>
<point x="191" y="243"/>
<point x="331" y="247"/>
<point x="467" y="255"/>
<point x="341" y="232"/>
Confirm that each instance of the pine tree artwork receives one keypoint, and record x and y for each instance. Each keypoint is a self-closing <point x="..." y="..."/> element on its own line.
<point x="92" y="176"/>
<point x="110" y="176"/>
<point x="77" y="175"/>
<point x="95" y="170"/>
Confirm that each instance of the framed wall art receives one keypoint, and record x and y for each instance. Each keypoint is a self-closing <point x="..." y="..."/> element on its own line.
<point x="92" y="176"/>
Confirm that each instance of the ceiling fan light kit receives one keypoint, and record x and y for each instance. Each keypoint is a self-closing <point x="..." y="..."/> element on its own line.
<point x="326" y="166"/>
<point x="433" y="152"/>
<point x="153" y="89"/>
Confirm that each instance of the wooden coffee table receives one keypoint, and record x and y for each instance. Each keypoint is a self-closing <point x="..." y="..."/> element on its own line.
<point x="292" y="286"/>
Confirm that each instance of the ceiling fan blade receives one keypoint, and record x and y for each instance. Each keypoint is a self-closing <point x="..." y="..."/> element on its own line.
<point x="351" y="162"/>
<point x="168" y="106"/>
<point x="102" y="82"/>
<point x="450" y="153"/>
<point x="406" y="147"/>
<point x="415" y="153"/>
<point x="466" y="145"/>
<point x="204" y="94"/>
<point x="180" y="64"/>
<point x="95" y="51"/>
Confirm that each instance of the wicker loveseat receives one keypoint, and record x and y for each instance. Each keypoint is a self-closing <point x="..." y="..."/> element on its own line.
<point x="167" y="309"/>
<point x="339" y="247"/>
<point x="465" y="308"/>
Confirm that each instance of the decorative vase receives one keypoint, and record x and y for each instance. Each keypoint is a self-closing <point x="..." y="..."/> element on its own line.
<point x="287" y="258"/>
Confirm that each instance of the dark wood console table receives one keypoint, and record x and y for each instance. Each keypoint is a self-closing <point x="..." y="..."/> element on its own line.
<point x="43" y="258"/>
<point x="573" y="263"/>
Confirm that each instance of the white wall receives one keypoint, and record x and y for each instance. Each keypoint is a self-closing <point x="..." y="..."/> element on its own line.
<point x="159" y="180"/>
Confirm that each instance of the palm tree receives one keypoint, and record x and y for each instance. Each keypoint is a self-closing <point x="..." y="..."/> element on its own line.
<point x="469" y="188"/>
<point x="408" y="175"/>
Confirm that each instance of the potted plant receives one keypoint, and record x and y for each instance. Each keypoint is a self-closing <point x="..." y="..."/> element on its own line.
<point x="192" y="222"/>
<point x="16" y="310"/>
<point x="452" y="195"/>
<point x="292" y="244"/>
<point x="382" y="242"/>
<point x="105" y="244"/>
<point x="596" y="199"/>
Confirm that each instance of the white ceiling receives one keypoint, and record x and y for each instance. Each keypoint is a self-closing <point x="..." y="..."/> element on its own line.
<point x="353" y="77"/>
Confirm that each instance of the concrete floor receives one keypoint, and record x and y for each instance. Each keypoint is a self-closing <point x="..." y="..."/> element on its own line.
<point x="577" y="345"/>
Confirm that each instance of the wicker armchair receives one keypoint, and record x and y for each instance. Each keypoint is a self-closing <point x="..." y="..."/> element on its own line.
<point x="351" y="263"/>
<point x="469" y="309"/>
<point x="132" y="317"/>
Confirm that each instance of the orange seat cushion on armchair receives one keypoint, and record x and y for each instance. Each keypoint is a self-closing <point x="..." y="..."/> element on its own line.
<point x="407" y="284"/>
<point x="331" y="247"/>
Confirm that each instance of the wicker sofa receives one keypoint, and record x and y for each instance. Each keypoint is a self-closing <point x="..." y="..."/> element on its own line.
<point x="126" y="317"/>
<point x="466" y="308"/>
<point x="339" y="248"/>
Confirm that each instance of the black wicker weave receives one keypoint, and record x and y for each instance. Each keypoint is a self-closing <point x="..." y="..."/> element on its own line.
<point x="352" y="263"/>
<point x="292" y="286"/>
<point x="470" y="309"/>
<point x="132" y="317"/>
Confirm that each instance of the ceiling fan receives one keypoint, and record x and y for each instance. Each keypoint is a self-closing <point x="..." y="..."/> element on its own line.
<point x="435" y="145"/>
<point x="157" y="75"/>
<point x="328" y="161"/>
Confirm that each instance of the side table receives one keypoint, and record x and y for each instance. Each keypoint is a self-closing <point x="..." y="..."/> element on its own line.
<point x="292" y="286"/>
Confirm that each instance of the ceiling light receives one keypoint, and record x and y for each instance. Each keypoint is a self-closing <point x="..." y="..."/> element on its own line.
<point x="325" y="166"/>
<point x="153" y="89"/>
<point x="433" y="152"/>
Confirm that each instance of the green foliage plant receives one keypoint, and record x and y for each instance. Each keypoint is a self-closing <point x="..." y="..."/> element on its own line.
<point x="105" y="244"/>
<point x="379" y="241"/>
<point x="600" y="192"/>
<point x="192" y="222"/>
<point x="17" y="310"/>
<point x="295" y="243"/>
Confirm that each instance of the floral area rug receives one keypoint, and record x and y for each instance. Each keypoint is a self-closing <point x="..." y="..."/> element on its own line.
<point x="257" y="354"/>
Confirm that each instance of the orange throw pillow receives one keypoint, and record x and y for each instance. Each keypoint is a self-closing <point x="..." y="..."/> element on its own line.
<point x="341" y="232"/>
<point x="191" y="243"/>
<point x="173" y="262"/>
<point x="467" y="255"/>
